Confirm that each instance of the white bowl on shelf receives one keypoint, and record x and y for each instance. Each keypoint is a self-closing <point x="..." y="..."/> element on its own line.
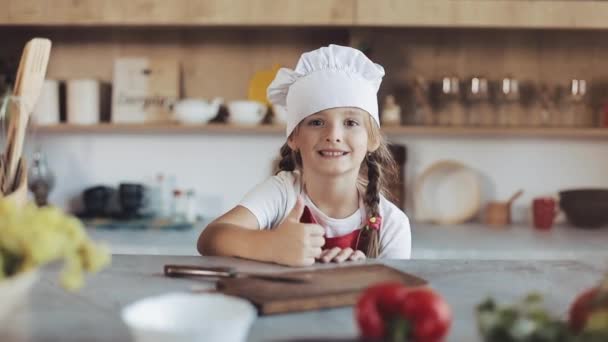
<point x="280" y="114"/>
<point x="196" y="111"/>
<point x="245" y="112"/>
<point x="15" y="291"/>
<point x="190" y="317"/>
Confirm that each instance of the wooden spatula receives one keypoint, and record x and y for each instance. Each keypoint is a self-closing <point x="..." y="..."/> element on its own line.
<point x="30" y="76"/>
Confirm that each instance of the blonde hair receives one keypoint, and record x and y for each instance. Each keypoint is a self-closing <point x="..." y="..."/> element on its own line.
<point x="376" y="169"/>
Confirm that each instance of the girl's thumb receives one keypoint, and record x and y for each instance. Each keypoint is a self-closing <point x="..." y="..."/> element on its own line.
<point x="298" y="209"/>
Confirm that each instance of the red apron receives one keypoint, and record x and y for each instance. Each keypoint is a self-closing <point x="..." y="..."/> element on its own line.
<point x="353" y="240"/>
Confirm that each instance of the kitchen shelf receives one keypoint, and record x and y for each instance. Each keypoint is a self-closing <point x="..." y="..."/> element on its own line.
<point x="509" y="14"/>
<point x="162" y="13"/>
<point x="535" y="14"/>
<point x="530" y="132"/>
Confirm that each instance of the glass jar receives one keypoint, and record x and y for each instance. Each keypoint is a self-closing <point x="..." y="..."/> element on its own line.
<point x="450" y="110"/>
<point x="509" y="111"/>
<point x="422" y="113"/>
<point x="573" y="109"/>
<point x="543" y="108"/>
<point x="479" y="109"/>
<point x="391" y="112"/>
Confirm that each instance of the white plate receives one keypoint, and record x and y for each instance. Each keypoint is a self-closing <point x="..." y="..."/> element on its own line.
<point x="447" y="192"/>
<point x="190" y="317"/>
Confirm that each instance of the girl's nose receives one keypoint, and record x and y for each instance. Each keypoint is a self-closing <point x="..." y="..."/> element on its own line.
<point x="334" y="133"/>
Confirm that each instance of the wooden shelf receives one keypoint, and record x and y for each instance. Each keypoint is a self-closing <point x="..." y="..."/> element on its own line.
<point x="161" y="128"/>
<point x="527" y="132"/>
<point x="178" y="13"/>
<point x="510" y="14"/>
<point x="537" y="14"/>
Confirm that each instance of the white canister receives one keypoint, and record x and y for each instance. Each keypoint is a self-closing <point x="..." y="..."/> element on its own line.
<point x="83" y="101"/>
<point x="46" y="111"/>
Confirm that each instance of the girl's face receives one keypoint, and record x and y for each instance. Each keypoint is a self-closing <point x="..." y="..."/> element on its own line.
<point x="334" y="141"/>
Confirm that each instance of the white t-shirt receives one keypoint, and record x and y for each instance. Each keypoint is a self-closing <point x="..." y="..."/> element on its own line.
<point x="271" y="200"/>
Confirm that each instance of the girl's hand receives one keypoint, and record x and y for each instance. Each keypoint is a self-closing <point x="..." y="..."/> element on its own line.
<point x="294" y="243"/>
<point x="339" y="255"/>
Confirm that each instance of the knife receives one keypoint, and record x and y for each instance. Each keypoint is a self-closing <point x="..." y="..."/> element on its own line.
<point x="227" y="272"/>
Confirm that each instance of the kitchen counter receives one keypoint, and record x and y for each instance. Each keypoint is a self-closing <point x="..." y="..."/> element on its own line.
<point x="470" y="241"/>
<point x="93" y="314"/>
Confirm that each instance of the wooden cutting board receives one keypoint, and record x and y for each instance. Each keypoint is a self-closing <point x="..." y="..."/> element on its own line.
<point x="327" y="288"/>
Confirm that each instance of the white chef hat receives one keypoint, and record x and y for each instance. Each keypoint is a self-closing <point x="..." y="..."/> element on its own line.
<point x="329" y="77"/>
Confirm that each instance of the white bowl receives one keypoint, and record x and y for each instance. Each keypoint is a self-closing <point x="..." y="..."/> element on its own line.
<point x="190" y="317"/>
<point x="196" y="111"/>
<point x="280" y="114"/>
<point x="246" y="112"/>
<point x="15" y="290"/>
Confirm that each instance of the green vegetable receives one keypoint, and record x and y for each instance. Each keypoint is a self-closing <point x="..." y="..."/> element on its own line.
<point x="528" y="321"/>
<point x="32" y="236"/>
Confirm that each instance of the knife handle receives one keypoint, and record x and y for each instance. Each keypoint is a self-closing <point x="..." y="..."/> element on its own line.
<point x="192" y="270"/>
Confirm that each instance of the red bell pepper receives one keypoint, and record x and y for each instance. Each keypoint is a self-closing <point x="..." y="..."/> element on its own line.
<point x="394" y="312"/>
<point x="586" y="304"/>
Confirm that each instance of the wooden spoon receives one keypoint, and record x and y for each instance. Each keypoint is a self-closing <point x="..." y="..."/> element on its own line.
<point x="29" y="80"/>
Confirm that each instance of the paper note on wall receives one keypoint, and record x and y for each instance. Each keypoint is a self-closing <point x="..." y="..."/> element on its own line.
<point x="144" y="89"/>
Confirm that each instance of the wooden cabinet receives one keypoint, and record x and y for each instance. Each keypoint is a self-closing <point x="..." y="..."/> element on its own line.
<point x="180" y="12"/>
<point x="548" y="14"/>
<point x="545" y="14"/>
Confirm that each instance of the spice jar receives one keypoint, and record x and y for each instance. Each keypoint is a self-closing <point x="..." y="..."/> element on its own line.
<point x="450" y="111"/>
<point x="509" y="111"/>
<point x="422" y="113"/>
<point x="542" y="110"/>
<point x="391" y="112"/>
<point x="479" y="109"/>
<point x="573" y="107"/>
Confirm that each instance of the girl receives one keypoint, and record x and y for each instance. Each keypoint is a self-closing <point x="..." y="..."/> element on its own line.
<point x="326" y="201"/>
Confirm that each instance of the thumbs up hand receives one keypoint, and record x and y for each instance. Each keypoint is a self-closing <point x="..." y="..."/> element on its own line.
<point x="296" y="243"/>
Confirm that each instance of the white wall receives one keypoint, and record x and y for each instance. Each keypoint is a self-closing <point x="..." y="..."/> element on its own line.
<point x="222" y="167"/>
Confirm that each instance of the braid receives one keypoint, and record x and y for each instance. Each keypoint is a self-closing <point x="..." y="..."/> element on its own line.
<point x="290" y="159"/>
<point x="372" y="201"/>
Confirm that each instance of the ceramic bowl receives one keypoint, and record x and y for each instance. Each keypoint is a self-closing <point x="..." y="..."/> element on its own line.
<point x="585" y="208"/>
<point x="280" y="114"/>
<point x="246" y="112"/>
<point x="196" y="111"/>
<point x="190" y="317"/>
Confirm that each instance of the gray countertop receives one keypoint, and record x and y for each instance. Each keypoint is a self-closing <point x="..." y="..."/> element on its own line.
<point x="93" y="313"/>
<point x="470" y="241"/>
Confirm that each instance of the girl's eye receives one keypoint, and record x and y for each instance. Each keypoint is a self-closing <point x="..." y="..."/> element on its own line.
<point x="315" y="122"/>
<point x="351" y="122"/>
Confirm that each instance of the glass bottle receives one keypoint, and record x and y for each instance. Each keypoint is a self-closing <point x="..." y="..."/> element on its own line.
<point x="509" y="113"/>
<point x="479" y="109"/>
<point x="450" y="111"/>
<point x="178" y="212"/>
<point x="40" y="179"/>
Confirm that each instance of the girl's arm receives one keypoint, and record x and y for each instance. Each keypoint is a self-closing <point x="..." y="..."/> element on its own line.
<point x="237" y="234"/>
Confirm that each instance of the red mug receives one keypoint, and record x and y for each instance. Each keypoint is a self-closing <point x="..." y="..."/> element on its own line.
<point x="544" y="210"/>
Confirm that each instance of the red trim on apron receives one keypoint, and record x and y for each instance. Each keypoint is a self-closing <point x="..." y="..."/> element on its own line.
<point x="353" y="239"/>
